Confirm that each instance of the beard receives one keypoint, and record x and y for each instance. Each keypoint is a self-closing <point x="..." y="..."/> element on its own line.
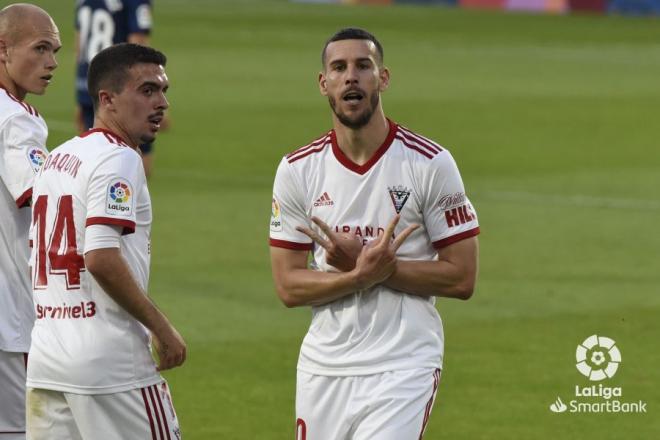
<point x="147" y="138"/>
<point x="360" y="120"/>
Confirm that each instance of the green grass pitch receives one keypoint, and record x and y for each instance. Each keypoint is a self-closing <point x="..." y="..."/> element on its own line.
<point x="553" y="121"/>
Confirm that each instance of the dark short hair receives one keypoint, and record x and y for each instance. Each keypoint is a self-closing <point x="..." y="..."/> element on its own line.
<point x="109" y="68"/>
<point x="352" y="34"/>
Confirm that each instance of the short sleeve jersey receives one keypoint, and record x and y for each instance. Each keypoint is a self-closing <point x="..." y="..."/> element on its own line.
<point x="23" y="136"/>
<point x="83" y="341"/>
<point x="102" y="23"/>
<point x="377" y="329"/>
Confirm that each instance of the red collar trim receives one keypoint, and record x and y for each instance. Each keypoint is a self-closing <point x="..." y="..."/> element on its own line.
<point x="112" y="137"/>
<point x="11" y="95"/>
<point x="361" y="169"/>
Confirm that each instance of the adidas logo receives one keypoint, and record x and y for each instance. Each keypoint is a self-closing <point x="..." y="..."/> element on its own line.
<point x="324" y="200"/>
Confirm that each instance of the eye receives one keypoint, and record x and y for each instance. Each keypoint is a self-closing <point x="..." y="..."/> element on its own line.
<point x="148" y="91"/>
<point x="41" y="48"/>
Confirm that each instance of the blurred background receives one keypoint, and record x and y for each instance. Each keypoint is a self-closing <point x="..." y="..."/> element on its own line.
<point x="552" y="119"/>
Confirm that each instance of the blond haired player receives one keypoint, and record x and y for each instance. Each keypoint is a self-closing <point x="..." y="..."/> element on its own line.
<point x="369" y="366"/>
<point x="29" y="40"/>
<point x="91" y="374"/>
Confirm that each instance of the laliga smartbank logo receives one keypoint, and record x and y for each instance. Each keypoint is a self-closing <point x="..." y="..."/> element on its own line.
<point x="598" y="358"/>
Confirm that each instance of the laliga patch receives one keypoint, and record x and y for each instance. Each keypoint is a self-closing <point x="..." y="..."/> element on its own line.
<point x="399" y="195"/>
<point x="275" y="216"/>
<point x="37" y="157"/>
<point x="143" y="15"/>
<point x="119" y="199"/>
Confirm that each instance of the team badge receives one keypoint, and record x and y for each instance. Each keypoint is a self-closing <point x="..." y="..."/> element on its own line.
<point x="119" y="198"/>
<point x="37" y="157"/>
<point x="399" y="195"/>
<point x="275" y="216"/>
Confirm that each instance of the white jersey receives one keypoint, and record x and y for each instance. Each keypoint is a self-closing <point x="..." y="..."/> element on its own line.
<point x="377" y="329"/>
<point x="23" y="136"/>
<point x="83" y="341"/>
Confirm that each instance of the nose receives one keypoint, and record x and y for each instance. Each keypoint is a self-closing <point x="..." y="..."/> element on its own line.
<point x="351" y="74"/>
<point x="52" y="62"/>
<point x="163" y="103"/>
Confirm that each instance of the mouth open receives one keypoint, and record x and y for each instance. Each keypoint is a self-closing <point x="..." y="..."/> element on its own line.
<point x="353" y="96"/>
<point x="155" y="120"/>
<point x="47" y="78"/>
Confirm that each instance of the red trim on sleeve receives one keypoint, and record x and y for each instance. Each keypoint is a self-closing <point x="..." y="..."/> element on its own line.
<point x="361" y="169"/>
<point x="291" y="245"/>
<point x="24" y="199"/>
<point x="129" y="226"/>
<point x="456" y="238"/>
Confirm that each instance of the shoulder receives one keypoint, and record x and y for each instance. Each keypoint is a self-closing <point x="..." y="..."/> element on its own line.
<point x="417" y="145"/>
<point x="308" y="150"/>
<point x="105" y="145"/>
<point x="15" y="110"/>
<point x="423" y="150"/>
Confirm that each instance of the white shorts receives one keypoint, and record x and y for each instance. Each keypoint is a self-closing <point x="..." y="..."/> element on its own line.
<point x="395" y="405"/>
<point x="12" y="390"/>
<point x="141" y="414"/>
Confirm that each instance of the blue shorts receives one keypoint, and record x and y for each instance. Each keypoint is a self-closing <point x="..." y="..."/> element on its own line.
<point x="88" y="120"/>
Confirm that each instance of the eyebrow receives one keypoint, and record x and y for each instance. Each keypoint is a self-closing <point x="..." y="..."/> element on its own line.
<point x="343" y="60"/>
<point x="49" y="44"/>
<point x="153" y="84"/>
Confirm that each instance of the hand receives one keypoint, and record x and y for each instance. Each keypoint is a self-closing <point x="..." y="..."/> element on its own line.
<point x="342" y="250"/>
<point x="170" y="347"/>
<point x="377" y="261"/>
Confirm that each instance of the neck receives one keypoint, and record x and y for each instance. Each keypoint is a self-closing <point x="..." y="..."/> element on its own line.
<point x="10" y="87"/>
<point x="359" y="145"/>
<point x="113" y="126"/>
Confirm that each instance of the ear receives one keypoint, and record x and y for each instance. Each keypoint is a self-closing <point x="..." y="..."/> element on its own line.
<point x="4" y="50"/>
<point x="106" y="100"/>
<point x="322" y="84"/>
<point x="384" y="75"/>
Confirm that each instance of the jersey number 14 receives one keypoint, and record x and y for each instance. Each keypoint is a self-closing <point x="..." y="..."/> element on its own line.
<point x="62" y="250"/>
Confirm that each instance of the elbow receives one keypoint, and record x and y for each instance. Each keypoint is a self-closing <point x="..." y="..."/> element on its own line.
<point x="464" y="290"/>
<point x="93" y="264"/>
<point x="289" y="300"/>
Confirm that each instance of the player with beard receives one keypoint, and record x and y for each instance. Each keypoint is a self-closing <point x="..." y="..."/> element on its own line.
<point x="384" y="213"/>
<point x="91" y="374"/>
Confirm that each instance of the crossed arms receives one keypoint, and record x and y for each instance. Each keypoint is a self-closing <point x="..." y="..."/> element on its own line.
<point x="452" y="275"/>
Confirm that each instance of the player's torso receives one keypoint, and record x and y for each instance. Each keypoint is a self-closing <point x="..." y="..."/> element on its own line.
<point x="362" y="202"/>
<point x="16" y="311"/>
<point x="72" y="310"/>
<point x="376" y="329"/>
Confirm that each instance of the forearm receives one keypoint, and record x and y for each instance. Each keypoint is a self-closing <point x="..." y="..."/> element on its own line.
<point x="432" y="278"/>
<point x="306" y="287"/>
<point x="114" y="276"/>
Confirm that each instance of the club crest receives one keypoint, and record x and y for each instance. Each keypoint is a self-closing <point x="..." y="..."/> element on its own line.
<point x="399" y="195"/>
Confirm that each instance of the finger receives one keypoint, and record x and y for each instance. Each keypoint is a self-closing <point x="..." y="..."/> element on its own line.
<point x="325" y="228"/>
<point x="385" y="239"/>
<point x="325" y="244"/>
<point x="398" y="241"/>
